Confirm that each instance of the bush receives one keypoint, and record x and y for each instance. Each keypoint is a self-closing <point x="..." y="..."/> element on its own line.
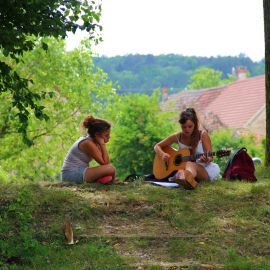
<point x="3" y="176"/>
<point x="17" y="244"/>
<point x="138" y="126"/>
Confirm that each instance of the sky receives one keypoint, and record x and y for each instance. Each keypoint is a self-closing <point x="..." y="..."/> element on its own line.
<point x="186" y="27"/>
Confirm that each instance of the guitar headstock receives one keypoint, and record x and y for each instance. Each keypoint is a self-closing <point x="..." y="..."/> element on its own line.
<point x="223" y="153"/>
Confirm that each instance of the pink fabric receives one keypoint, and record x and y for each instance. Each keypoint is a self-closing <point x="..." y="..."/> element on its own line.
<point x="105" y="179"/>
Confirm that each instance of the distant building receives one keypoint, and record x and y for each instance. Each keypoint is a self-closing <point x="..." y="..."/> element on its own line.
<point x="239" y="105"/>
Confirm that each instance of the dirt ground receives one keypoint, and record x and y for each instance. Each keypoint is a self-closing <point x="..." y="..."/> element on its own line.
<point x="134" y="229"/>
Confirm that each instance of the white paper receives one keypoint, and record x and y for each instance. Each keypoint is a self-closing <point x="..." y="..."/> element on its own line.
<point x="165" y="184"/>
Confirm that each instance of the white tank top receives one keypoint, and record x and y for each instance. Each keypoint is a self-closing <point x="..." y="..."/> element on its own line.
<point x="75" y="157"/>
<point x="199" y="148"/>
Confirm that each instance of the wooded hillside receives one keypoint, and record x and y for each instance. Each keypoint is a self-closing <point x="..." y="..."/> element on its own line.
<point x="143" y="73"/>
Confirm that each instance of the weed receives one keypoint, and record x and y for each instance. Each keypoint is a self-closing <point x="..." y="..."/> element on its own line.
<point x="16" y="239"/>
<point x="236" y="262"/>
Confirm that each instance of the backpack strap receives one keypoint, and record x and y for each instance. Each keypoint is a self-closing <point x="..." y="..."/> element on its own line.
<point x="235" y="153"/>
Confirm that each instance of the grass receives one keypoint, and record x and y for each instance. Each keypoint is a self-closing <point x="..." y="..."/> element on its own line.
<point x="225" y="225"/>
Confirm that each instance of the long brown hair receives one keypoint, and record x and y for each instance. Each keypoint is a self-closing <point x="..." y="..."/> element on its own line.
<point x="95" y="125"/>
<point x="190" y="114"/>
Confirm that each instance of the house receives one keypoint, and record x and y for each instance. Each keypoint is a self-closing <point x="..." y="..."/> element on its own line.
<point x="239" y="105"/>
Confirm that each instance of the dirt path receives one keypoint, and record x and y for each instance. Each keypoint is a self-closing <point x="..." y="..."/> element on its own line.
<point x="137" y="233"/>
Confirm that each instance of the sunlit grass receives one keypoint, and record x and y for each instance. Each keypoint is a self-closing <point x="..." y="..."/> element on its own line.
<point x="96" y="255"/>
<point x="115" y="225"/>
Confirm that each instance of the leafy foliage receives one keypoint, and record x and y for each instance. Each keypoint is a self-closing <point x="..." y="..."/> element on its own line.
<point x="76" y="91"/>
<point x="23" y="22"/>
<point x="205" y="77"/>
<point x="143" y="73"/>
<point x="138" y="126"/>
<point x="15" y="231"/>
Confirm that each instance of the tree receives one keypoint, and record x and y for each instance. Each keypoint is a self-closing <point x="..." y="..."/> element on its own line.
<point x="139" y="125"/>
<point x="79" y="90"/>
<point x="266" y="7"/>
<point x="23" y="22"/>
<point x="205" y="77"/>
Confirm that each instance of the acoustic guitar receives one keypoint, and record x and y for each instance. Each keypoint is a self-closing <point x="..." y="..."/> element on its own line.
<point x="178" y="160"/>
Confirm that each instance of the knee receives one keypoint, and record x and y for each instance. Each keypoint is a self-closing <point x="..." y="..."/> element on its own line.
<point x="190" y="164"/>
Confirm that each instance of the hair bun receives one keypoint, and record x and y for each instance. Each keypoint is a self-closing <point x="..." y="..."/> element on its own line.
<point x="88" y="120"/>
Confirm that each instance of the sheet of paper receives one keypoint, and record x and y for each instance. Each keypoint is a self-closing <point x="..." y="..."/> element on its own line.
<point x="165" y="184"/>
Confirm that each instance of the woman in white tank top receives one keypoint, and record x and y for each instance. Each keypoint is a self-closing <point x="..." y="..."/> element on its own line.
<point x="76" y="167"/>
<point x="198" y="142"/>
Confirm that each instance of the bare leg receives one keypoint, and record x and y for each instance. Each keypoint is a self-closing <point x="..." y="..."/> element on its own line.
<point x="198" y="171"/>
<point x="180" y="174"/>
<point x="92" y="174"/>
<point x="187" y="177"/>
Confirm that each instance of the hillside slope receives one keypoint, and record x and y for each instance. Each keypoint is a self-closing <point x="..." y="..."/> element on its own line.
<point x="225" y="224"/>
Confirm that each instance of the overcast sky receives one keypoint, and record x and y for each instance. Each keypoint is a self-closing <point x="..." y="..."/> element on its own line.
<point x="186" y="27"/>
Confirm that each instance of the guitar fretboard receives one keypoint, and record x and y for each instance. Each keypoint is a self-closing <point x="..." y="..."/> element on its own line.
<point x="195" y="157"/>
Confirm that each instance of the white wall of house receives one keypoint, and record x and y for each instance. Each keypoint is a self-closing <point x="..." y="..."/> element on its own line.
<point x="258" y="123"/>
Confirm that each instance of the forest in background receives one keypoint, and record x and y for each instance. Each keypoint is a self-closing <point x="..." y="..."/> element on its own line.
<point x="144" y="73"/>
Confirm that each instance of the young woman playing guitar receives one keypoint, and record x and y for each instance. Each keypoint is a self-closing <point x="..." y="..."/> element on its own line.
<point x="198" y="142"/>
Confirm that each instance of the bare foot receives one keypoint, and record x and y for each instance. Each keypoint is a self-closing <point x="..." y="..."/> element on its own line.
<point x="186" y="179"/>
<point x="180" y="174"/>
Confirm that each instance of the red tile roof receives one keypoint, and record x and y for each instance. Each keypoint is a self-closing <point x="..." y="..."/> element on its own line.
<point x="239" y="101"/>
<point x="207" y="97"/>
<point x="234" y="104"/>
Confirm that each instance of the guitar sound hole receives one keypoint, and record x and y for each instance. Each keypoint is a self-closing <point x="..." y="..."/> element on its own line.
<point x="177" y="160"/>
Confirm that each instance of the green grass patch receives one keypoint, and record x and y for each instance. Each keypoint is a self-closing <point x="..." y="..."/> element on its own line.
<point x="95" y="255"/>
<point x="225" y="223"/>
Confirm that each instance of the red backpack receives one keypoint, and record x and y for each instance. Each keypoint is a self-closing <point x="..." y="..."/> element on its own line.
<point x="240" y="166"/>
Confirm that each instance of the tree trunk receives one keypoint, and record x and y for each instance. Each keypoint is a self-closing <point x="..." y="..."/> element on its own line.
<point x="266" y="8"/>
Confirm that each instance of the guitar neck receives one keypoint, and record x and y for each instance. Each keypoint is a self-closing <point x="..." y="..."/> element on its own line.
<point x="195" y="157"/>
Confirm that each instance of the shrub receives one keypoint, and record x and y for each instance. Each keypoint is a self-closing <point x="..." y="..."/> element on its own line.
<point x="138" y="126"/>
<point x="16" y="240"/>
<point x="3" y="176"/>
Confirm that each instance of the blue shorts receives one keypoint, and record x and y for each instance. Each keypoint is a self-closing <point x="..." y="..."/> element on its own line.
<point x="74" y="176"/>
